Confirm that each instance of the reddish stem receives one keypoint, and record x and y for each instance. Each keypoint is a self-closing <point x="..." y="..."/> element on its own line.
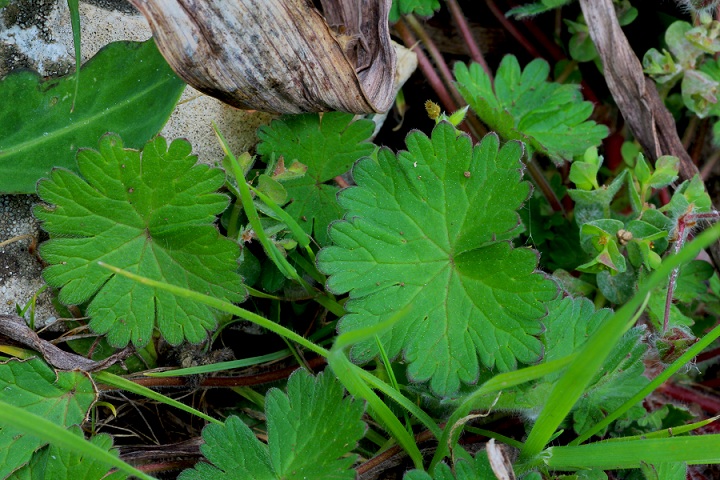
<point x="710" y="354"/>
<point x="687" y="395"/>
<point x="681" y="235"/>
<point x="512" y="30"/>
<point x="219" y="382"/>
<point x="426" y="67"/>
<point x="464" y="29"/>
<point x="477" y="128"/>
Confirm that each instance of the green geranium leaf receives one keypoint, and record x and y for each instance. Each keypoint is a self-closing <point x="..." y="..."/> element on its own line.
<point x="127" y="88"/>
<point x="328" y="145"/>
<point x="428" y="228"/>
<point x="151" y="213"/>
<point x="424" y="8"/>
<point x="691" y="282"/>
<point x="311" y="431"/>
<point x="568" y="326"/>
<point x="465" y="468"/>
<point x="551" y="118"/>
<point x="61" y="397"/>
<point x="54" y="462"/>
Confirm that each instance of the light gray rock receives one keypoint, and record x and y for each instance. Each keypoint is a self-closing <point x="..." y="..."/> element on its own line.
<point x="20" y="279"/>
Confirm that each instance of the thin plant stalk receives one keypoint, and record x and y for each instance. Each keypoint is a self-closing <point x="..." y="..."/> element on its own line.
<point x="681" y="233"/>
<point x="426" y="66"/>
<point x="446" y="75"/>
<point x="464" y="29"/>
<point x="541" y="182"/>
<point x="512" y="30"/>
<point x="435" y="54"/>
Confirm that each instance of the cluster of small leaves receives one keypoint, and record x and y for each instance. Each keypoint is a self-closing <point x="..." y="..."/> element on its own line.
<point x="424" y="8"/>
<point x="643" y="234"/>
<point x="622" y="247"/>
<point x="327" y="145"/>
<point x="152" y="213"/>
<point x="430" y="228"/>
<point x="311" y="431"/>
<point x="522" y="105"/>
<point x="581" y="47"/>
<point x="690" y="59"/>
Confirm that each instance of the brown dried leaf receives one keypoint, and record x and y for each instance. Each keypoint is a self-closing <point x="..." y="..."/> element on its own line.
<point x="279" y="56"/>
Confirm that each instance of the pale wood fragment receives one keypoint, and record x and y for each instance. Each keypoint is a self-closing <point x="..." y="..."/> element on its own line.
<point x="279" y="56"/>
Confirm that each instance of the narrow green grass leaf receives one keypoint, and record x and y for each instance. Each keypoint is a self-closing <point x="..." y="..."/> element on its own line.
<point x="592" y="356"/>
<point x="130" y="386"/>
<point x="495" y="384"/>
<point x="47" y="431"/>
<point x="222" y="306"/>
<point x="74" y="7"/>
<point x="693" y="450"/>
<point x="668" y="432"/>
<point x="221" y="366"/>
<point x="348" y="375"/>
<point x="352" y="377"/>
<point x="683" y="360"/>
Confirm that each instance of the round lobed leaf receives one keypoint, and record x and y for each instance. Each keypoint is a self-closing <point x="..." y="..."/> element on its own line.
<point x="430" y="228"/>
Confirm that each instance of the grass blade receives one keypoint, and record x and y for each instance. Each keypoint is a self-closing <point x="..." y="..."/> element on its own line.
<point x="591" y="357"/>
<point x="130" y="386"/>
<point x="37" y="426"/>
<point x="693" y="450"/>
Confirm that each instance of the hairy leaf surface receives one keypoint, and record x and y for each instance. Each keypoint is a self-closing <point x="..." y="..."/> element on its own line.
<point x="328" y="145"/>
<point x="430" y="229"/>
<point x="522" y="105"/>
<point x="151" y="213"/>
<point x="61" y="397"/>
<point x="569" y="324"/>
<point x="311" y="429"/>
